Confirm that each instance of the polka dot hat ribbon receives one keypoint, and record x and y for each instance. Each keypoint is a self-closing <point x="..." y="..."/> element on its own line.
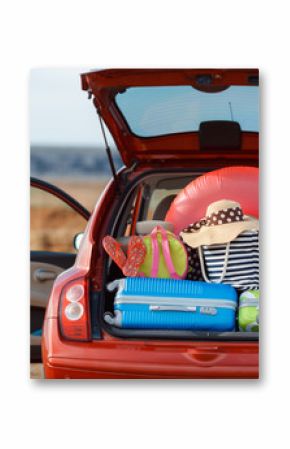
<point x="224" y="221"/>
<point x="223" y="216"/>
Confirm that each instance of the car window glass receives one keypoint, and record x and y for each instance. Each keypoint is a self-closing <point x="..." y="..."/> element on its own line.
<point x="160" y="202"/>
<point x="53" y="224"/>
<point x="160" y="110"/>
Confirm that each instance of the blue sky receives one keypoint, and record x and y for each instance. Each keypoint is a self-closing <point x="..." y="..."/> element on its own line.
<point x="60" y="113"/>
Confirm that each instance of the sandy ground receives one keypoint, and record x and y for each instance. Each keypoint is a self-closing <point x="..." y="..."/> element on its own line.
<point x="84" y="191"/>
<point x="36" y="371"/>
<point x="53" y="224"/>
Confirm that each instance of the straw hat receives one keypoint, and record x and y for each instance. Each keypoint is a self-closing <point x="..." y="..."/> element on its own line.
<point x="223" y="222"/>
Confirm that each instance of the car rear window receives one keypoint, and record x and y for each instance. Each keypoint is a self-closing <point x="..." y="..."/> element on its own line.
<point x="154" y="111"/>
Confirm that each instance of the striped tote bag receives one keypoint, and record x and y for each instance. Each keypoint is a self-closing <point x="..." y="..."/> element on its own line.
<point x="235" y="263"/>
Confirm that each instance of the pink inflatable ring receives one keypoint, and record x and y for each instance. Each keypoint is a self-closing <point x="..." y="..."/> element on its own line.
<point x="233" y="183"/>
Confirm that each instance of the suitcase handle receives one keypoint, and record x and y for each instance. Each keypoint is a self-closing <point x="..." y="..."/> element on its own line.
<point x="172" y="308"/>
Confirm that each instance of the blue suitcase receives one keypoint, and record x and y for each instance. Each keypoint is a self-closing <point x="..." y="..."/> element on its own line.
<point x="146" y="303"/>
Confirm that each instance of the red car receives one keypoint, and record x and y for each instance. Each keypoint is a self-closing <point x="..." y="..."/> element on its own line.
<point x="154" y="117"/>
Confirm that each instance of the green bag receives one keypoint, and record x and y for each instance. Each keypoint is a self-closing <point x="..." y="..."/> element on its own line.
<point x="249" y="311"/>
<point x="166" y="256"/>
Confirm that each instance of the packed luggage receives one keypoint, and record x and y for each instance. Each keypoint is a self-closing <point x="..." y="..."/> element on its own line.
<point x="206" y="278"/>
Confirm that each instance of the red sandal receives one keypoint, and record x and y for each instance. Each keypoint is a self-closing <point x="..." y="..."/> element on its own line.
<point x="135" y="256"/>
<point x="113" y="248"/>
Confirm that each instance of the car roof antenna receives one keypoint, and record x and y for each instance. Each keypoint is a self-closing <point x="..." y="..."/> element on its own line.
<point x="231" y="111"/>
<point x="109" y="152"/>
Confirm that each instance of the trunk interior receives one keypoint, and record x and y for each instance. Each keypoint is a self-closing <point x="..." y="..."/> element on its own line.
<point x="149" y="198"/>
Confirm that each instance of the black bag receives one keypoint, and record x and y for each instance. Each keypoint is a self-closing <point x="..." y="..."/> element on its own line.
<point x="194" y="269"/>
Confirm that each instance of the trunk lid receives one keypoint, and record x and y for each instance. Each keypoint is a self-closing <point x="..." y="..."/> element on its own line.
<point x="178" y="116"/>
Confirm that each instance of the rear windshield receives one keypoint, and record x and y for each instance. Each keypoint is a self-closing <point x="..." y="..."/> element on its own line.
<point x="154" y="111"/>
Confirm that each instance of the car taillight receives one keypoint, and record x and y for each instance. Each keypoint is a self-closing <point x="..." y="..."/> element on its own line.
<point x="74" y="316"/>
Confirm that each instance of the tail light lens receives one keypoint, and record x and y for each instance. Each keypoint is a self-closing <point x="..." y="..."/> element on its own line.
<point x="74" y="316"/>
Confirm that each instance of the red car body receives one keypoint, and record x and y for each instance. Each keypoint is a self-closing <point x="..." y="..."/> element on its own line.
<point x="108" y="355"/>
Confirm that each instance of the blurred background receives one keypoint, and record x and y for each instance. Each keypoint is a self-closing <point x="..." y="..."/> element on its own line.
<point x="67" y="150"/>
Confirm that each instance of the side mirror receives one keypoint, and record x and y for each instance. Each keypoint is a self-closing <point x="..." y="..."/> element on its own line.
<point x="77" y="240"/>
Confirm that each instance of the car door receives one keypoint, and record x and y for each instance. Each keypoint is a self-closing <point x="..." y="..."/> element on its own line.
<point x="55" y="220"/>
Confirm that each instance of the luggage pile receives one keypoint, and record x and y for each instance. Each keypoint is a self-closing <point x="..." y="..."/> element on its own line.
<point x="205" y="279"/>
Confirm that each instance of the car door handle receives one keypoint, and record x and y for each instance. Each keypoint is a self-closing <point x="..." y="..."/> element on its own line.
<point x="44" y="275"/>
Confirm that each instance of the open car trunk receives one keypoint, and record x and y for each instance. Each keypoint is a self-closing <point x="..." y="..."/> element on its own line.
<point x="172" y="125"/>
<point x="157" y="187"/>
